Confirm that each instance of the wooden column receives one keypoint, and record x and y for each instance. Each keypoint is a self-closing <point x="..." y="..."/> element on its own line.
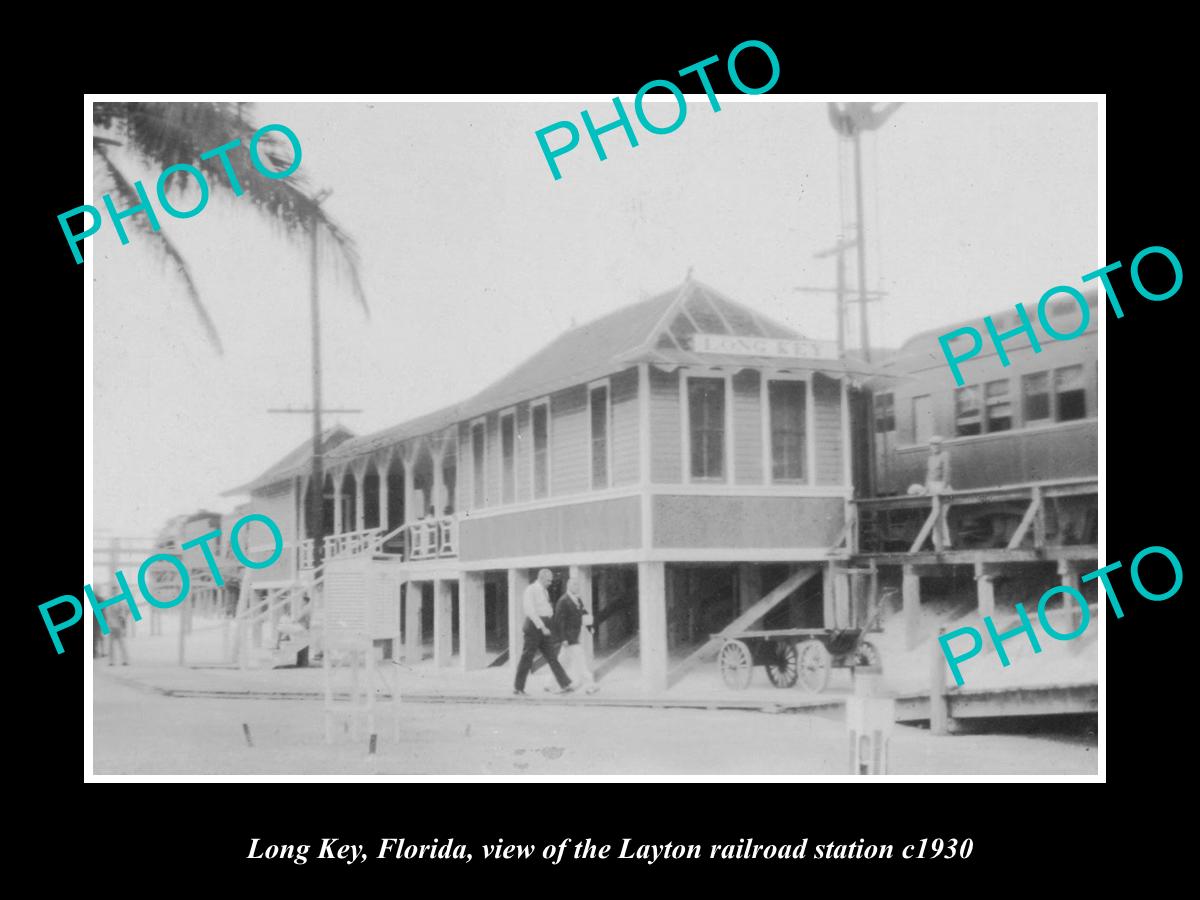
<point x="410" y="459"/>
<point x="652" y="625"/>
<point x="414" y="596"/>
<point x="1068" y="574"/>
<point x="939" y="713"/>
<point x="337" y="502"/>
<point x="749" y="586"/>
<point x="436" y="498"/>
<point x="827" y="598"/>
<point x="382" y="469"/>
<point x="985" y="586"/>
<point x="360" y="512"/>
<point x="518" y="580"/>
<point x="472" y="621"/>
<point x="443" y="623"/>
<point x="910" y="591"/>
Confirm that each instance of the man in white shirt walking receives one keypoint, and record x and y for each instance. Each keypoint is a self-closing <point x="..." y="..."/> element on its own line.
<point x="538" y="634"/>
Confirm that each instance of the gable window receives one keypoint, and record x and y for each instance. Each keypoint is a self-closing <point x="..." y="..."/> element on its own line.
<point x="599" y="416"/>
<point x="508" y="458"/>
<point x="967" y="418"/>
<point x="999" y="406"/>
<point x="706" y="424"/>
<point x="478" y="468"/>
<point x="1035" y="389"/>
<point x="541" y="449"/>
<point x="788" y="403"/>
<point x="1070" y="394"/>
<point x="885" y="413"/>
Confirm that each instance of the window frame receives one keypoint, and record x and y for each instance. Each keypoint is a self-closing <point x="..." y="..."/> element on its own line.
<point x="1026" y="421"/>
<point x="543" y="402"/>
<point x="916" y="420"/>
<point x="987" y="404"/>
<point x="977" y="387"/>
<point x="685" y="416"/>
<point x="510" y="413"/>
<point x="605" y="383"/>
<point x="1056" y="407"/>
<point x="809" y="424"/>
<point x="479" y="493"/>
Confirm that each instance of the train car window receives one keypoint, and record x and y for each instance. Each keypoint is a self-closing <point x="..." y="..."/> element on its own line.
<point x="967" y="417"/>
<point x="706" y="418"/>
<point x="1036" y="390"/>
<point x="1070" y="393"/>
<point x="788" y="401"/>
<point x="885" y="413"/>
<point x="922" y="419"/>
<point x="999" y="406"/>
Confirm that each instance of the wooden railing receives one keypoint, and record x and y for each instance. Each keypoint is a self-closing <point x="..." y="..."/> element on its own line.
<point x="427" y="539"/>
<point x="1035" y="515"/>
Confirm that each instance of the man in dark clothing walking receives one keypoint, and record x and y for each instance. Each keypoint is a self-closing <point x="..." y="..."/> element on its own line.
<point x="570" y="618"/>
<point x="538" y="636"/>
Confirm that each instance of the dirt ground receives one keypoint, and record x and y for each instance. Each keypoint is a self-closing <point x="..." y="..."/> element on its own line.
<point x="142" y="732"/>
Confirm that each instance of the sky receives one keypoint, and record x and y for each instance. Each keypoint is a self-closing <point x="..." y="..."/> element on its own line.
<point x="474" y="257"/>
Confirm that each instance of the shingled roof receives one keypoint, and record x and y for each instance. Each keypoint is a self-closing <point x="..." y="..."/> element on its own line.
<point x="657" y="330"/>
<point x="296" y="462"/>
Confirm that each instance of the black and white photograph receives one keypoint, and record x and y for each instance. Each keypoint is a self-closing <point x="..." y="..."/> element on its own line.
<point x="520" y="437"/>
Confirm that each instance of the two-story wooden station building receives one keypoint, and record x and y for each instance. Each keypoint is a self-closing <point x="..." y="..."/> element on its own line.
<point x="681" y="456"/>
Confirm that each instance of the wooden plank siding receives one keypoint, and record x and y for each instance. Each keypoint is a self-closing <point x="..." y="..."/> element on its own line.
<point x="625" y="468"/>
<point x="568" y="528"/>
<point x="570" y="458"/>
<point x="747" y="427"/>
<point x="746" y="522"/>
<point x="666" y="466"/>
<point x="827" y="419"/>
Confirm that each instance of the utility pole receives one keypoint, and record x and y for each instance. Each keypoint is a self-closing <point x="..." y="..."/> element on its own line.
<point x="864" y="337"/>
<point x="317" y="496"/>
<point x="851" y="120"/>
<point x="316" y="502"/>
<point x="839" y="250"/>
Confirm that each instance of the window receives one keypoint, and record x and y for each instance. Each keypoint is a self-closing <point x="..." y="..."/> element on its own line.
<point x="788" y="403"/>
<point x="1036" y="390"/>
<point x="599" y="413"/>
<point x="885" y="413"/>
<point x="508" y="458"/>
<point x="478" y="468"/>
<point x="541" y="450"/>
<point x="1070" y="393"/>
<point x="922" y="419"/>
<point x="967" y="417"/>
<point x="706" y="422"/>
<point x="999" y="406"/>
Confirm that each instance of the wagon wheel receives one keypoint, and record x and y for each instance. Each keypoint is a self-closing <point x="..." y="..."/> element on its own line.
<point x="736" y="664"/>
<point x="814" y="664"/>
<point x="784" y="671"/>
<point x="868" y="655"/>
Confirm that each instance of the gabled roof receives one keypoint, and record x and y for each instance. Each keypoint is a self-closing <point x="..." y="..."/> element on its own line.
<point x="296" y="462"/>
<point x="656" y="330"/>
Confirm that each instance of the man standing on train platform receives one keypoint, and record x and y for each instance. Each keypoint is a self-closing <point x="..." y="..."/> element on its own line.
<point x="570" y="618"/>
<point x="537" y="633"/>
<point x="937" y="481"/>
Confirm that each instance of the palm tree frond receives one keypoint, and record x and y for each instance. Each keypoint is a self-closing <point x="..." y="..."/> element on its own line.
<point x="160" y="242"/>
<point x="170" y="133"/>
